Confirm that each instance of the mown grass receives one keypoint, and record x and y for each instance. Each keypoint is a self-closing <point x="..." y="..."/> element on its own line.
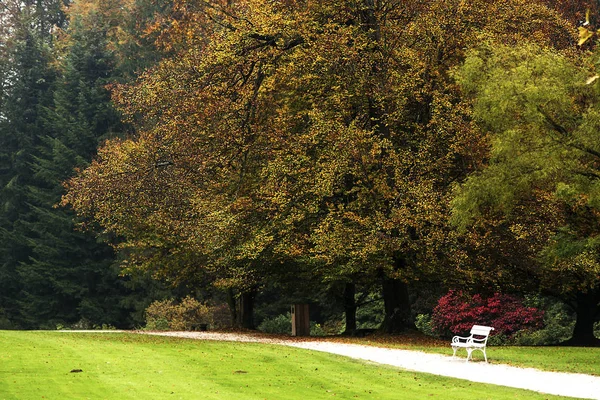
<point x="582" y="360"/>
<point x="39" y="365"/>
<point x="552" y="358"/>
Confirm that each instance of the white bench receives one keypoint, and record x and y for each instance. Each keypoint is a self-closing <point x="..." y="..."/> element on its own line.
<point x="476" y="341"/>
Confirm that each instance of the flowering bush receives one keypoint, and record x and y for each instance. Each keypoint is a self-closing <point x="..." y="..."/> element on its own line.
<point x="457" y="312"/>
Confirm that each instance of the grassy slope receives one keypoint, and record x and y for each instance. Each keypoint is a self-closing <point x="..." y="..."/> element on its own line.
<point x="36" y="365"/>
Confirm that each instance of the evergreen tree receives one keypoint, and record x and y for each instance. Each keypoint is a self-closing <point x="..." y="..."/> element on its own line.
<point x="55" y="108"/>
<point x="27" y="79"/>
<point x="69" y="275"/>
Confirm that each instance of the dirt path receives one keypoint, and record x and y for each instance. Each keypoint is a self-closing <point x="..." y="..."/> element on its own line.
<point x="558" y="383"/>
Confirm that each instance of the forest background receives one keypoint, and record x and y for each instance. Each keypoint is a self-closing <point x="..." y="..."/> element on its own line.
<point x="386" y="161"/>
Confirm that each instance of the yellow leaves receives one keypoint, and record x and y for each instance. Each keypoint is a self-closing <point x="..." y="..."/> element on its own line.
<point x="584" y="35"/>
<point x="587" y="17"/>
<point x="584" y="32"/>
<point x="83" y="8"/>
<point x="520" y="231"/>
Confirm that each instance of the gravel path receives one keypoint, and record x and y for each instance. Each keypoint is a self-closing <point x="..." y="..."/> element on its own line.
<point x="558" y="383"/>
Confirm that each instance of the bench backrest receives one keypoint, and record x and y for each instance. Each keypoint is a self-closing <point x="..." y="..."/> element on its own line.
<point x="482" y="332"/>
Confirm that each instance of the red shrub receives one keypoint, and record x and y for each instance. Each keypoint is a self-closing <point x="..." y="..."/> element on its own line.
<point x="457" y="312"/>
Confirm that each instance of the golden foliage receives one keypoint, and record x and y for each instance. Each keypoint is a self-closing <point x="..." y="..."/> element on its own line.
<point x="329" y="130"/>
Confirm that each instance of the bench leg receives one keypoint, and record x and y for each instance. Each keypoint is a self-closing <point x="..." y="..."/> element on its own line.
<point x="454" y="351"/>
<point x="484" y="355"/>
<point x="469" y="351"/>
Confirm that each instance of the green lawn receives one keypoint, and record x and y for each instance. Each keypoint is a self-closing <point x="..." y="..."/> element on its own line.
<point x="584" y="360"/>
<point x="38" y="365"/>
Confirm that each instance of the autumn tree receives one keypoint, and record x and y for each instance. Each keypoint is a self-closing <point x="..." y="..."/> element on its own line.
<point x="543" y="168"/>
<point x="322" y="134"/>
<point x="383" y="135"/>
<point x="192" y="179"/>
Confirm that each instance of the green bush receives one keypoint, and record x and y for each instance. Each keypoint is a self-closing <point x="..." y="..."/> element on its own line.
<point x="186" y="315"/>
<point x="334" y="326"/>
<point x="423" y="324"/>
<point x="558" y="324"/>
<point x="316" y="329"/>
<point x="82" y="324"/>
<point x="280" y="325"/>
<point x="158" y="324"/>
<point x="499" y="340"/>
<point x="105" y="327"/>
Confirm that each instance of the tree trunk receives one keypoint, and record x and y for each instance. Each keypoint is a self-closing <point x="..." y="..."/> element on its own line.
<point x="232" y="303"/>
<point x="397" y="306"/>
<point x="369" y="22"/>
<point x="246" y="309"/>
<point x="586" y="308"/>
<point x="350" y="308"/>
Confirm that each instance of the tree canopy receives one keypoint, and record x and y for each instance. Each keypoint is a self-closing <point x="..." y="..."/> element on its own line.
<point x="357" y="149"/>
<point x="328" y="132"/>
<point x="543" y="168"/>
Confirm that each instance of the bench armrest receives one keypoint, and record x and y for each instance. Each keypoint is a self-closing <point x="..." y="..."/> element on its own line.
<point x="461" y="339"/>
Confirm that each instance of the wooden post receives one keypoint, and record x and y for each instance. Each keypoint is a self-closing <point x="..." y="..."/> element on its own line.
<point x="300" y="320"/>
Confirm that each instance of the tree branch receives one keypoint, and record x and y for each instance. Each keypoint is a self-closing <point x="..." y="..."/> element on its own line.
<point x="552" y="124"/>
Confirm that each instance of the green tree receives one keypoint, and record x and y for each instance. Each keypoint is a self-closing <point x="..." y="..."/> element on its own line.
<point x="541" y="183"/>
